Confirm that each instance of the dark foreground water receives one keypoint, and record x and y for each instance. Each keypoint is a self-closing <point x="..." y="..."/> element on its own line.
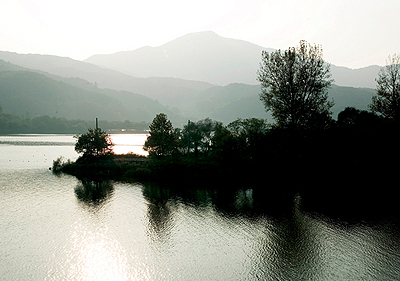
<point x="61" y="228"/>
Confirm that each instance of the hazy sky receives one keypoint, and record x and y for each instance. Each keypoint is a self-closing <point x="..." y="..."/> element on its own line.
<point x="353" y="33"/>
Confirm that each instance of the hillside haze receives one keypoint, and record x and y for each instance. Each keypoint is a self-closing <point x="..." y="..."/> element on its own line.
<point x="202" y="56"/>
<point x="26" y="92"/>
<point x="359" y="78"/>
<point x="60" y="86"/>
<point x="206" y="56"/>
<point x="174" y="92"/>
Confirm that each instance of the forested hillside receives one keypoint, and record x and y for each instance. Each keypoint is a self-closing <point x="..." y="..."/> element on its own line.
<point x="31" y="94"/>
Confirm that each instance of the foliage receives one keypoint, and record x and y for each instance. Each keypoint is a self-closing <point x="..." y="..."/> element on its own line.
<point x="95" y="142"/>
<point x="59" y="164"/>
<point x="294" y="86"/>
<point x="163" y="139"/>
<point x="197" y="136"/>
<point x="247" y="128"/>
<point x="387" y="99"/>
<point x="353" y="118"/>
<point x="248" y="134"/>
<point x="224" y="145"/>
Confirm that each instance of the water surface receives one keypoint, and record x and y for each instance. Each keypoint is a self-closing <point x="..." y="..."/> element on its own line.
<point x="62" y="228"/>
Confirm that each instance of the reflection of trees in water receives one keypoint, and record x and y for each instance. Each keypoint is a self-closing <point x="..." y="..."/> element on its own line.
<point x="297" y="247"/>
<point x="226" y="200"/>
<point x="164" y="201"/>
<point x="252" y="203"/>
<point x="290" y="248"/>
<point x="159" y="212"/>
<point x="235" y="203"/>
<point x="282" y="242"/>
<point x="94" y="193"/>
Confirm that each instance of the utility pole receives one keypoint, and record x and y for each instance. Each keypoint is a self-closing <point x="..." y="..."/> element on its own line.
<point x="97" y="123"/>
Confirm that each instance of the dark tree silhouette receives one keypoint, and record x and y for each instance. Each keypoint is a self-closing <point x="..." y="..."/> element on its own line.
<point x="353" y="118"/>
<point x="163" y="139"/>
<point x="294" y="86"/>
<point x="95" y="142"/>
<point x="387" y="99"/>
<point x="197" y="136"/>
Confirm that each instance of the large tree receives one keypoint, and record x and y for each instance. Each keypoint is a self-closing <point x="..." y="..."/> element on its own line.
<point x="294" y="86"/>
<point x="387" y="99"/>
<point x="95" y="142"/>
<point x="163" y="139"/>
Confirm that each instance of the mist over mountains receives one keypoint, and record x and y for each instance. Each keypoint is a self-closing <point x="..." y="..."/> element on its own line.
<point x="195" y="76"/>
<point x="206" y="56"/>
<point x="26" y="92"/>
<point x="203" y="56"/>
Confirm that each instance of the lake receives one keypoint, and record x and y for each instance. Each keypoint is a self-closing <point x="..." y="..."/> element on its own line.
<point x="60" y="228"/>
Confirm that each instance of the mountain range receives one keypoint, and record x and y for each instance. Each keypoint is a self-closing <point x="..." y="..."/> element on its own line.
<point x="206" y="56"/>
<point x="193" y="77"/>
<point x="26" y="92"/>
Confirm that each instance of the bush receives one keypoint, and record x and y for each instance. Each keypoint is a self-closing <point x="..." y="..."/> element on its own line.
<point x="59" y="164"/>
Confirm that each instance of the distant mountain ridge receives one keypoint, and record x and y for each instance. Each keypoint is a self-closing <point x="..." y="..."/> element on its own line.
<point x="202" y="56"/>
<point x="140" y="99"/>
<point x="358" y="78"/>
<point x="206" y="56"/>
<point x="161" y="88"/>
<point x="27" y="92"/>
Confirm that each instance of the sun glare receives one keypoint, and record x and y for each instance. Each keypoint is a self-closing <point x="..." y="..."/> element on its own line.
<point x="129" y="143"/>
<point x="97" y="256"/>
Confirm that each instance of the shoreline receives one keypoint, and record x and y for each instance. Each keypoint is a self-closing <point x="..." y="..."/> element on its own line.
<point x="344" y="196"/>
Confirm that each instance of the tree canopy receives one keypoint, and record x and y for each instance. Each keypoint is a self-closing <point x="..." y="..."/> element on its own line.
<point x="197" y="136"/>
<point x="387" y="99"/>
<point x="163" y="139"/>
<point x="294" y="86"/>
<point x="95" y="142"/>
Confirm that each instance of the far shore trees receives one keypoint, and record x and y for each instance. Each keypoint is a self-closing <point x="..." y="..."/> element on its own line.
<point x="95" y="142"/>
<point x="387" y="99"/>
<point x="294" y="85"/>
<point x="163" y="139"/>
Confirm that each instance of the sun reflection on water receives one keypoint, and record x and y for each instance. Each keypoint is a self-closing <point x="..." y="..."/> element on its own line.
<point x="98" y="258"/>
<point x="96" y="255"/>
<point x="96" y="252"/>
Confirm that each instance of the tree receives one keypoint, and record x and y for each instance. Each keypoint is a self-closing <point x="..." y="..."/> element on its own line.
<point x="356" y="119"/>
<point x="387" y="99"/>
<point x="95" y="142"/>
<point x="223" y="140"/>
<point x="248" y="128"/>
<point x="163" y="139"/>
<point x="294" y="86"/>
<point x="191" y="137"/>
<point x="249" y="134"/>
<point x="198" y="135"/>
